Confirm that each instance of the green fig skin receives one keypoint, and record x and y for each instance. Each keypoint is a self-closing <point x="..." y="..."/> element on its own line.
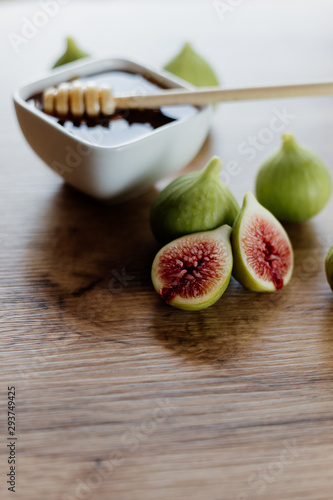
<point x="329" y="267"/>
<point x="294" y="184"/>
<point x="194" y="202"/>
<point x="191" y="67"/>
<point x="72" y="53"/>
<point x="208" y="297"/>
<point x="241" y="271"/>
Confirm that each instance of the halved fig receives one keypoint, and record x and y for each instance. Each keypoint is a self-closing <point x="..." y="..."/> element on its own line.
<point x="192" y="272"/>
<point x="263" y="255"/>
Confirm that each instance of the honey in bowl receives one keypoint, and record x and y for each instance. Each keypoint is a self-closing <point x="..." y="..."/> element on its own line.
<point x="125" y="125"/>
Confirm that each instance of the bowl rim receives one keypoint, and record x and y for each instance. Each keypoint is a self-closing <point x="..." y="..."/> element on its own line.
<point x="87" y="67"/>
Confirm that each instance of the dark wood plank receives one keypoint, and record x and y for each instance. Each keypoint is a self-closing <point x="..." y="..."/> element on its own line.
<point x="120" y="396"/>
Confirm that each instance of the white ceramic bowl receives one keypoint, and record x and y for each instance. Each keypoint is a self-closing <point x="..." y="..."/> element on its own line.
<point x="110" y="172"/>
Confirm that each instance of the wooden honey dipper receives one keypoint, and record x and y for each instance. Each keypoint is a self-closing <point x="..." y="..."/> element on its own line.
<point x="79" y="98"/>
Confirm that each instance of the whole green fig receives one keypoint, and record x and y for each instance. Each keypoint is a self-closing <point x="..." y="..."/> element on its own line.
<point x="72" y="53"/>
<point x="294" y="183"/>
<point x="191" y="67"/>
<point x="329" y="267"/>
<point x="194" y="202"/>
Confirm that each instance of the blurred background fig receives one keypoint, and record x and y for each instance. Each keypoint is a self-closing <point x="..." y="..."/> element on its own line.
<point x="193" y="68"/>
<point x="72" y="53"/>
<point x="294" y="183"/>
<point x="194" y="202"/>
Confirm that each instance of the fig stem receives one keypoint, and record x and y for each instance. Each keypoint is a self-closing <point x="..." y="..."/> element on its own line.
<point x="289" y="142"/>
<point x="213" y="168"/>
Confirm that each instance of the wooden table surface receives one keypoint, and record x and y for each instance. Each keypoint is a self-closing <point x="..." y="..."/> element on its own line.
<point x="118" y="395"/>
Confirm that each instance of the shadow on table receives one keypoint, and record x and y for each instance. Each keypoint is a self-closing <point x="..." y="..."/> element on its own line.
<point x="230" y="328"/>
<point x="92" y="260"/>
<point x="235" y="325"/>
<point x="90" y="257"/>
<point x="91" y="263"/>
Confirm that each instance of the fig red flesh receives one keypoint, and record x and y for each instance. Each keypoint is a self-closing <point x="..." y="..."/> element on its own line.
<point x="192" y="268"/>
<point x="267" y="251"/>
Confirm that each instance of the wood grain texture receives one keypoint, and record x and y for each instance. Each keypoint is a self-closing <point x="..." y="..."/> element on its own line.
<point x="118" y="395"/>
